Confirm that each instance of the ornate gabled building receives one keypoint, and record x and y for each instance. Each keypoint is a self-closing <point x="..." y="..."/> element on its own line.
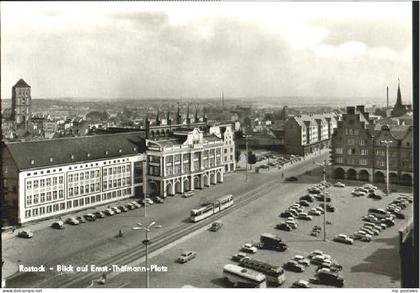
<point x="358" y="151"/>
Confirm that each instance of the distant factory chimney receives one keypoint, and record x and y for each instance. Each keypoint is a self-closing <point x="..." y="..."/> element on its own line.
<point x="223" y="100"/>
<point x="387" y="97"/>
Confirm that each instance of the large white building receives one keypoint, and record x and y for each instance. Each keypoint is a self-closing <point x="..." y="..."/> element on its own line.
<point x="187" y="160"/>
<point x="53" y="177"/>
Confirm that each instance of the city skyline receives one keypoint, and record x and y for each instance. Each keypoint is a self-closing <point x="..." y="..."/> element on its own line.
<point x="256" y="51"/>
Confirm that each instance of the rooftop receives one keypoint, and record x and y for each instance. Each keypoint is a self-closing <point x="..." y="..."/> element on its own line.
<point x="62" y="151"/>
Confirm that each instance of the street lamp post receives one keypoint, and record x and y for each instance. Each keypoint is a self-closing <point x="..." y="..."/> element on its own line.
<point x="386" y="143"/>
<point x="145" y="204"/>
<point x="246" y="158"/>
<point x="324" y="165"/>
<point x="146" y="242"/>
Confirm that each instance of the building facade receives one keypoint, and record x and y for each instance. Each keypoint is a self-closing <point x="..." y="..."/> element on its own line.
<point x="359" y="152"/>
<point x="21" y="103"/>
<point x="305" y="134"/>
<point x="186" y="161"/>
<point x="45" y="179"/>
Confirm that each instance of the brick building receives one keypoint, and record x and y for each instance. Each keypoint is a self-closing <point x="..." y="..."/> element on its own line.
<point x="358" y="151"/>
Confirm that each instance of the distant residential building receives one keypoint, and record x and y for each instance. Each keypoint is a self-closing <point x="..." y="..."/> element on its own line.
<point x="358" y="153"/>
<point x="21" y="103"/>
<point x="305" y="134"/>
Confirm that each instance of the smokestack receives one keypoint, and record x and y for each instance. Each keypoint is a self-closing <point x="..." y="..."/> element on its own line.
<point x="223" y="100"/>
<point x="387" y="97"/>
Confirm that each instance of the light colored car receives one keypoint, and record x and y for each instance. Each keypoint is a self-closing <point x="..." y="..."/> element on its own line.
<point x="72" y="221"/>
<point x="149" y="201"/>
<point x="339" y="184"/>
<point x="249" y="248"/>
<point x="240" y="255"/>
<point x="25" y="233"/>
<point x="367" y="185"/>
<point x="304" y="216"/>
<point x="136" y="204"/>
<point x="301" y="284"/>
<point x="57" y="225"/>
<point x="314" y="253"/>
<point x="314" y="212"/>
<point x="188" y="194"/>
<point x="187" y="256"/>
<point x="302" y="260"/>
<point x="342" y="238"/>
<point x="116" y="210"/>
<point x="109" y="212"/>
<point x="292" y="224"/>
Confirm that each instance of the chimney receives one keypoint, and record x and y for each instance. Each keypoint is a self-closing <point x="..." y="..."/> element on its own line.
<point x="350" y="110"/>
<point x="387" y="97"/>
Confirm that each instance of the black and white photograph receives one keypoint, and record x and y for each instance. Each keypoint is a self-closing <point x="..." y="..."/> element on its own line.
<point x="222" y="145"/>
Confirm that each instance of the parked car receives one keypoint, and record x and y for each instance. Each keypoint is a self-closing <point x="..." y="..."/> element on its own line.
<point x="304" y="216"/>
<point x="158" y="199"/>
<point x="293" y="266"/>
<point x="122" y="208"/>
<point x="136" y="204"/>
<point x="314" y="212"/>
<point x="399" y="215"/>
<point x="130" y="206"/>
<point x="342" y="238"/>
<point x="58" y="225"/>
<point x="25" y="233"/>
<point x="216" y="226"/>
<point x="301" y="284"/>
<point x="292" y="224"/>
<point x="116" y="210"/>
<point x="188" y="194"/>
<point x="249" y="248"/>
<point x="81" y="219"/>
<point x="307" y="197"/>
<point x="302" y="260"/>
<point x="358" y="193"/>
<point x="286" y="214"/>
<point x="109" y="212"/>
<point x="304" y="203"/>
<point x="72" y="221"/>
<point x="284" y="227"/>
<point x="99" y="214"/>
<point x="187" y="256"/>
<point x="238" y="256"/>
<point x="327" y="277"/>
<point x="291" y="178"/>
<point x="339" y="184"/>
<point x="320" y="209"/>
<point x="388" y="222"/>
<point x="330" y="208"/>
<point x="315" y="253"/>
<point x="90" y="217"/>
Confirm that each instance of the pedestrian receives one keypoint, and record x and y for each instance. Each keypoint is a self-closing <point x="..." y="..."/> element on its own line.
<point x="120" y="234"/>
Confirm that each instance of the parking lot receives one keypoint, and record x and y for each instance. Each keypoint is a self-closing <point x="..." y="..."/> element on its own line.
<point x="374" y="264"/>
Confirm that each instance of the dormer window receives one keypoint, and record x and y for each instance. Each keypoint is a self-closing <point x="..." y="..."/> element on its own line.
<point x="120" y="150"/>
<point x="51" y="159"/>
<point x="88" y="155"/>
<point x="72" y="156"/>
<point x="32" y="162"/>
<point x="135" y="149"/>
<point x="106" y="152"/>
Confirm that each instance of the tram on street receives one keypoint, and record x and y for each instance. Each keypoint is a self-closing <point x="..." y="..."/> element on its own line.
<point x="218" y="205"/>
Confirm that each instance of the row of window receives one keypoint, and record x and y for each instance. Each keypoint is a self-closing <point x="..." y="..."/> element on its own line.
<point x="44" y="197"/>
<point x="364" y="162"/>
<point x="116" y="170"/>
<point x="351" y="131"/>
<point x="88" y="188"/>
<point x="35" y="212"/>
<point x="41" y="183"/>
<point x="86" y="175"/>
<point x="116" y="183"/>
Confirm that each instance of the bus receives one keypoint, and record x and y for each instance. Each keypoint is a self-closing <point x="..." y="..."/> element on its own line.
<point x="212" y="208"/>
<point x="274" y="274"/>
<point x="242" y="277"/>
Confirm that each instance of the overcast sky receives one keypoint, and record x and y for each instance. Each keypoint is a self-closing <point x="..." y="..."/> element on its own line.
<point x="191" y="49"/>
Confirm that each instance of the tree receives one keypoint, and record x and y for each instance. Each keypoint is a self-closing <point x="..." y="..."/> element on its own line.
<point x="237" y="155"/>
<point x="252" y="158"/>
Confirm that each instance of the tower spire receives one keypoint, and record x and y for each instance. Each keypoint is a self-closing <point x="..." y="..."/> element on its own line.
<point x="178" y="115"/>
<point x="157" y="117"/>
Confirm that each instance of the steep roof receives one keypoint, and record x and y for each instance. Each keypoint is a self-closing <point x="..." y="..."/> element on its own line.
<point x="21" y="83"/>
<point x="61" y="150"/>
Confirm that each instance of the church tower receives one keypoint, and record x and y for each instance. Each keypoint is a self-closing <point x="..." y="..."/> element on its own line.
<point x="178" y="116"/>
<point x="399" y="109"/>
<point x="21" y="103"/>
<point x="158" y="122"/>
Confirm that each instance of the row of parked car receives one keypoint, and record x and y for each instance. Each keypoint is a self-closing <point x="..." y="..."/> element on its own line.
<point x="368" y="190"/>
